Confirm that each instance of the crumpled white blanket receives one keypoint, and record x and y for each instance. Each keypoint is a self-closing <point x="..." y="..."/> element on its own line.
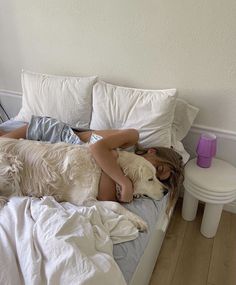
<point x="44" y="242"/>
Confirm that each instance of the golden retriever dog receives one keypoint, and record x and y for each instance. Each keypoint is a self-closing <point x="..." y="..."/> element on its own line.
<point x="69" y="173"/>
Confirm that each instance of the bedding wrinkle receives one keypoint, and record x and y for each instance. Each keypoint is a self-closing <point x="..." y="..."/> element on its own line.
<point x="56" y="240"/>
<point x="44" y="242"/>
<point x="11" y="259"/>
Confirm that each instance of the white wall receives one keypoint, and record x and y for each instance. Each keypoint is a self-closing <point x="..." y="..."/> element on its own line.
<point x="186" y="44"/>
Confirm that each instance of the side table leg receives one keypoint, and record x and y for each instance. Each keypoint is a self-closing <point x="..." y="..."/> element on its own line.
<point x="190" y="205"/>
<point x="211" y="219"/>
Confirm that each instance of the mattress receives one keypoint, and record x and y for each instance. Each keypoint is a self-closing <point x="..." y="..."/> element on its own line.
<point x="127" y="254"/>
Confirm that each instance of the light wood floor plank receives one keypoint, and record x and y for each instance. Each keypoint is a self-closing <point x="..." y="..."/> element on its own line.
<point x="223" y="264"/>
<point x="188" y="258"/>
<point x="169" y="254"/>
<point x="194" y="260"/>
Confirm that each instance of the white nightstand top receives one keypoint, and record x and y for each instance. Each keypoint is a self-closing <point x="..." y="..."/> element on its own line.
<point x="220" y="177"/>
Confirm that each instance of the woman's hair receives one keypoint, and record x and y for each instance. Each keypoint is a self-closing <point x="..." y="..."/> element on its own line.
<point x="170" y="157"/>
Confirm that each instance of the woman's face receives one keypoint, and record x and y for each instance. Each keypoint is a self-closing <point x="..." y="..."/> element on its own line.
<point x="163" y="169"/>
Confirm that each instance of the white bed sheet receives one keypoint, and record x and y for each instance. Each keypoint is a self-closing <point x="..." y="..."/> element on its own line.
<point x="44" y="242"/>
<point x="13" y="268"/>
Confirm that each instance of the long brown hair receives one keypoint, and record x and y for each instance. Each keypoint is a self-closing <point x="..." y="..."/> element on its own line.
<point x="170" y="157"/>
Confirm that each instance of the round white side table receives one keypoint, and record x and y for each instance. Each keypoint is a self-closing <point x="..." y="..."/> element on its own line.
<point x="215" y="186"/>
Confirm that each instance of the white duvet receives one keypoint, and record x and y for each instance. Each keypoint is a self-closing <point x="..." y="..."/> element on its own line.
<point x="44" y="242"/>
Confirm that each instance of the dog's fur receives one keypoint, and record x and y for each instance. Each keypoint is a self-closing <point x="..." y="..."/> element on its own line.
<point x="68" y="173"/>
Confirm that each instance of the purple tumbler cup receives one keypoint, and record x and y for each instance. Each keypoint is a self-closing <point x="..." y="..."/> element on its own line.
<point x="206" y="149"/>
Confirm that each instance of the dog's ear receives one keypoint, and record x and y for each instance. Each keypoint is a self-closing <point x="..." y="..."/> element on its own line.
<point x="144" y="172"/>
<point x="141" y="171"/>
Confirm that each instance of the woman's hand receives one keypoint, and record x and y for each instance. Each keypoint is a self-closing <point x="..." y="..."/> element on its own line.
<point x="103" y="153"/>
<point x="126" y="192"/>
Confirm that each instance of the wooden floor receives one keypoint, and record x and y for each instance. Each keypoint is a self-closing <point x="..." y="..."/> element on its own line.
<point x="188" y="258"/>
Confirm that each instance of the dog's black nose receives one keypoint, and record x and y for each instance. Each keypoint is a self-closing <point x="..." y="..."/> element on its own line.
<point x="165" y="192"/>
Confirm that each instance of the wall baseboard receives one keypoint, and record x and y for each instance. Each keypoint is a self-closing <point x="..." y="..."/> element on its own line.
<point x="226" y="145"/>
<point x="226" y="140"/>
<point x="11" y="102"/>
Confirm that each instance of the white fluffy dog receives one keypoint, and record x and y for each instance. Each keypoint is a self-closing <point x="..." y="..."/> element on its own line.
<point x="68" y="173"/>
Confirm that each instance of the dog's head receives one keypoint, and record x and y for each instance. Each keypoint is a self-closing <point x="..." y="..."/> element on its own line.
<point x="146" y="182"/>
<point x="142" y="174"/>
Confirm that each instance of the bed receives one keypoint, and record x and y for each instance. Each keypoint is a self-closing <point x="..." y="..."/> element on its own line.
<point x="41" y="242"/>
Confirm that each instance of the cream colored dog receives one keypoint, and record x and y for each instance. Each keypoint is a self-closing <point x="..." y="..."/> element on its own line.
<point x="69" y="173"/>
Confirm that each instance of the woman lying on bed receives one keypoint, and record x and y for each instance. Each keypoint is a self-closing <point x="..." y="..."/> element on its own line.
<point x="168" y="163"/>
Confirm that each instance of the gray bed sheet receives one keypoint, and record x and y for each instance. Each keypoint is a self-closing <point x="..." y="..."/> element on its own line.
<point x="127" y="254"/>
<point x="11" y="125"/>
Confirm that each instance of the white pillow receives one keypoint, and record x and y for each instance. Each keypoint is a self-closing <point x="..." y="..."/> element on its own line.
<point x="149" y="111"/>
<point x="184" y="116"/>
<point x="68" y="99"/>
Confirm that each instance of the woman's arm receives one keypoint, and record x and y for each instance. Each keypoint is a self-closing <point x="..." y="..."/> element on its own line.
<point x="102" y="151"/>
<point x="19" y="133"/>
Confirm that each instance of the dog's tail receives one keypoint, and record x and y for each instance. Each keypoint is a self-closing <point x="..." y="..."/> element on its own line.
<point x="10" y="167"/>
<point x="3" y="201"/>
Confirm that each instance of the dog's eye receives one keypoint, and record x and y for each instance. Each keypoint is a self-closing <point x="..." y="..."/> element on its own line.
<point x="150" y="179"/>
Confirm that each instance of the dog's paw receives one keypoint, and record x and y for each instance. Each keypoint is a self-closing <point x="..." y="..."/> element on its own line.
<point x="140" y="224"/>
